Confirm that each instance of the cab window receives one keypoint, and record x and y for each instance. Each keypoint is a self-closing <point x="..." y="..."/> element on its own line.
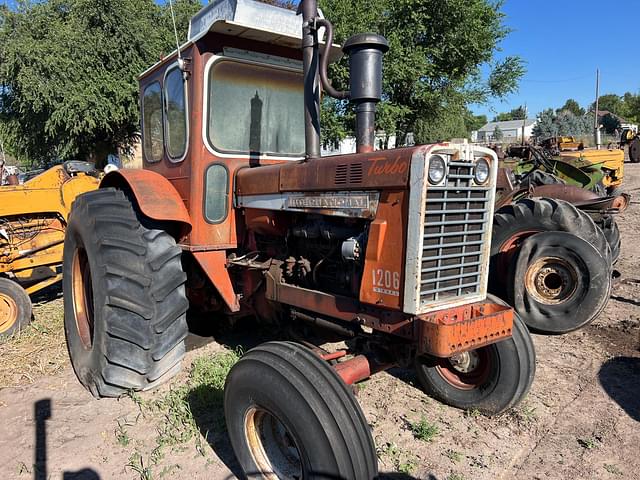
<point x="255" y="109"/>
<point x="175" y="114"/>
<point x="152" y="133"/>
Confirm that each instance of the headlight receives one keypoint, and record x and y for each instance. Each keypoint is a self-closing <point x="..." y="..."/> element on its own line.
<point x="437" y="169"/>
<point x="482" y="171"/>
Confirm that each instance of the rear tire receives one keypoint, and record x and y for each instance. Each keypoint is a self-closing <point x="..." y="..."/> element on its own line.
<point x="560" y="283"/>
<point x="611" y="232"/>
<point x="490" y="379"/>
<point x="15" y="308"/>
<point x="634" y="150"/>
<point x="288" y="413"/>
<point x="512" y="224"/>
<point x="124" y="299"/>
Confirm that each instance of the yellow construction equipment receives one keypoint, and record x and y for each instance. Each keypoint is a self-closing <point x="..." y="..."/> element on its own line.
<point x="610" y="161"/>
<point x="33" y="219"/>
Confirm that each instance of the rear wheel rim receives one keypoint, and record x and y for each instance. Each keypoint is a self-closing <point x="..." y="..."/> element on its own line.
<point x="82" y="289"/>
<point x="509" y="248"/>
<point x="272" y="446"/>
<point x="551" y="280"/>
<point x="467" y="370"/>
<point x="8" y="312"/>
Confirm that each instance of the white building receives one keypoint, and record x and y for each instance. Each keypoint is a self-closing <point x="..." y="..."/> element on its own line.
<point x="348" y="145"/>
<point x="511" y="131"/>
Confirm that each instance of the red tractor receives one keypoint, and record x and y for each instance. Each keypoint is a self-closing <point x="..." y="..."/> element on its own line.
<point x="235" y="213"/>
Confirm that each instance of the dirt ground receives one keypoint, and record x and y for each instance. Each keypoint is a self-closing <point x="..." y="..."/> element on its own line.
<point x="581" y="419"/>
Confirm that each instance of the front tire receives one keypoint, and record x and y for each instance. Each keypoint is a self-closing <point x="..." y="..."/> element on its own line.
<point x="124" y="299"/>
<point x="289" y="415"/>
<point x="490" y="379"/>
<point x="15" y="307"/>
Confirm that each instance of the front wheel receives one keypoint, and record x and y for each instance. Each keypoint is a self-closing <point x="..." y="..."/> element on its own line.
<point x="289" y="415"/>
<point x="490" y="379"/>
<point x="15" y="307"/>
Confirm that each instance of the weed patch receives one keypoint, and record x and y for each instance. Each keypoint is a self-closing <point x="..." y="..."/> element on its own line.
<point x="425" y="431"/>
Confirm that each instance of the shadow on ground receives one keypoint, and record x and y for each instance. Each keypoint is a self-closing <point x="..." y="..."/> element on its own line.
<point x="42" y="413"/>
<point x="620" y="378"/>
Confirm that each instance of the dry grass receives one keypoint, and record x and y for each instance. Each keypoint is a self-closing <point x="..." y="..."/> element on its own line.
<point x="37" y="351"/>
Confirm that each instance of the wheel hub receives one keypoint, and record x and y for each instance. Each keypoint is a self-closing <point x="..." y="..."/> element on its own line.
<point x="551" y="280"/>
<point x="467" y="370"/>
<point x="8" y="312"/>
<point x="465" y="362"/>
<point x="272" y="446"/>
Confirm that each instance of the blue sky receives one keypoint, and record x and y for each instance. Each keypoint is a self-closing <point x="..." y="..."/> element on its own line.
<point x="563" y="42"/>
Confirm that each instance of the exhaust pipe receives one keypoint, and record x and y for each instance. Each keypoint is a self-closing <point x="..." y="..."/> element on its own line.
<point x="309" y="11"/>
<point x="365" y="52"/>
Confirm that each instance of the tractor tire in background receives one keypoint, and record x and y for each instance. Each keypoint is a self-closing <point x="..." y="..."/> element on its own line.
<point x="560" y="282"/>
<point x="611" y="232"/>
<point x="15" y="307"/>
<point x="539" y="177"/>
<point x="124" y="297"/>
<point x="634" y="150"/>
<point x="513" y="223"/>
<point x="490" y="379"/>
<point x="289" y="415"/>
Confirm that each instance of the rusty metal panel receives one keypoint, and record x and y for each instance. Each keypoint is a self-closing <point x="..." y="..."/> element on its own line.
<point x="156" y="196"/>
<point x="455" y="330"/>
<point x="214" y="264"/>
<point x="383" y="273"/>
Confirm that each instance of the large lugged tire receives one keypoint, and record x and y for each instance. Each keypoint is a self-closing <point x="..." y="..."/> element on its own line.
<point x="560" y="282"/>
<point x="124" y="299"/>
<point x="634" y="150"/>
<point x="512" y="224"/>
<point x="611" y="232"/>
<point x="289" y="415"/>
<point x="490" y="379"/>
<point x="15" y="307"/>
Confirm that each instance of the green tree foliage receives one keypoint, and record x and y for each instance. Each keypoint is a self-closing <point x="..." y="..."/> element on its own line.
<point x="610" y="123"/>
<point x="68" y="72"/>
<point x="519" y="113"/>
<point x="551" y="124"/>
<point x="610" y="102"/>
<point x="475" y="122"/>
<point x="572" y="106"/>
<point x="432" y="70"/>
<point x="497" y="134"/>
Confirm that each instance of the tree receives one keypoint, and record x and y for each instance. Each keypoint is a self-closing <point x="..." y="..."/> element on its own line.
<point x="545" y="126"/>
<point x="519" y="113"/>
<point x="610" y="123"/>
<point x="572" y="106"/>
<point x="68" y="70"/>
<point x="609" y="102"/>
<point x="432" y="70"/>
<point x="497" y="134"/>
<point x="551" y="124"/>
<point x="474" y="122"/>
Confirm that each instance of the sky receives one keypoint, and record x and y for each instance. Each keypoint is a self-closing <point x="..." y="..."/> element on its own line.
<point x="563" y="43"/>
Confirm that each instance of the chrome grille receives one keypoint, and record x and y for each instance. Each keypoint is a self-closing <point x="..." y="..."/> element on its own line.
<point x="455" y="236"/>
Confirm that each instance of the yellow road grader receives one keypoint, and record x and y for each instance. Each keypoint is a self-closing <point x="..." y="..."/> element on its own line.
<point x="33" y="219"/>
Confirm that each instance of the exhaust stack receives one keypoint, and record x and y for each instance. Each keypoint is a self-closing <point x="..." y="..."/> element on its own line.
<point x="365" y="52"/>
